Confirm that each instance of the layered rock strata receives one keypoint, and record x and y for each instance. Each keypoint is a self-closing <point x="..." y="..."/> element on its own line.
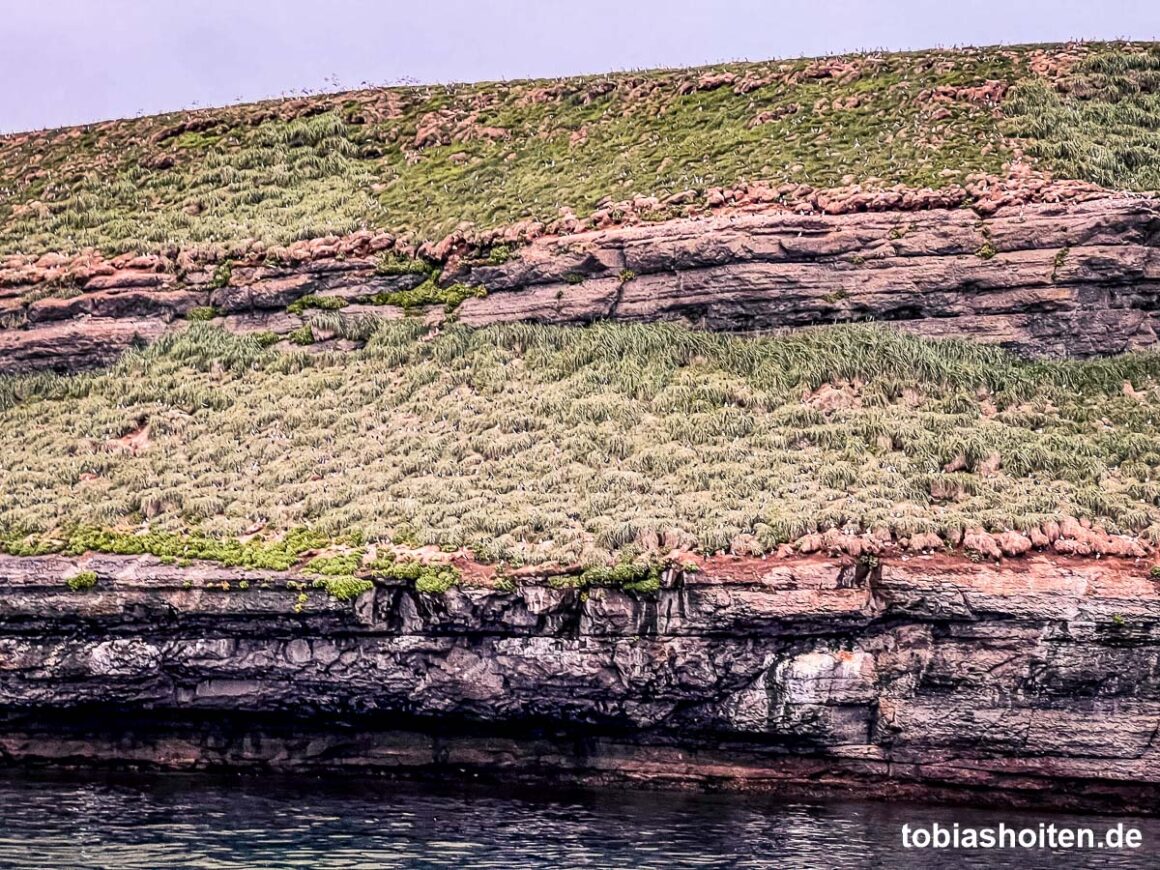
<point x="1036" y="682"/>
<point x="1066" y="279"/>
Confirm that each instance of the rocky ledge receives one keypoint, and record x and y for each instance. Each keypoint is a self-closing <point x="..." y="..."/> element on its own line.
<point x="1035" y="682"/>
<point x="1075" y="278"/>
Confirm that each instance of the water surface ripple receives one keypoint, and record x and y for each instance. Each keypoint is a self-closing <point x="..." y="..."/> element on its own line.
<point x="195" y="822"/>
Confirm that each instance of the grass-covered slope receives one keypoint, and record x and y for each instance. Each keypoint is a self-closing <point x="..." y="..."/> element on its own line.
<point x="529" y="444"/>
<point x="422" y="160"/>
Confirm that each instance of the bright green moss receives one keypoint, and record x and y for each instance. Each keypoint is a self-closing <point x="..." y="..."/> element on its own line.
<point x="429" y="293"/>
<point x="392" y="264"/>
<point x="499" y="255"/>
<point x="83" y="581"/>
<point x="222" y="275"/>
<point x="334" y="566"/>
<point x="641" y="578"/>
<point x="344" y="587"/>
<point x="429" y="579"/>
<point x="274" y="555"/>
<point x="303" y="335"/>
<point x="322" y="303"/>
<point x="266" y="338"/>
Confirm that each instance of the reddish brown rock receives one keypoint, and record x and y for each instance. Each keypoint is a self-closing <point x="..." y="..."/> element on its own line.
<point x="73" y="345"/>
<point x="119" y="303"/>
<point x="1075" y="278"/>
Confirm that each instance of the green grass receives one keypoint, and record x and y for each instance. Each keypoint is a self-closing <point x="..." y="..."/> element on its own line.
<point x="278" y="172"/>
<point x="282" y="171"/>
<point x="1100" y="123"/>
<point x="529" y="444"/>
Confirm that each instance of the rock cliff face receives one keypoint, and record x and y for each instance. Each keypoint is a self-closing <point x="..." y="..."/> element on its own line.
<point x="1043" y="279"/>
<point x="1033" y="683"/>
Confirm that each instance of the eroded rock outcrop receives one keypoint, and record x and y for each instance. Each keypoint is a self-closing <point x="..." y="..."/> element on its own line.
<point x="1031" y="683"/>
<point x="1043" y="279"/>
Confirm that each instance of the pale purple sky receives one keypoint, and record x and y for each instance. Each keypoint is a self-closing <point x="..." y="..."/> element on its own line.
<point x="71" y="61"/>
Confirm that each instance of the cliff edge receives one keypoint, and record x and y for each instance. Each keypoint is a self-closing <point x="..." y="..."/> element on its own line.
<point x="1029" y="684"/>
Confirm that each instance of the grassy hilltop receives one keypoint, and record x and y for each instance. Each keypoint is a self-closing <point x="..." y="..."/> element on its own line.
<point x="528" y="445"/>
<point x="423" y="160"/>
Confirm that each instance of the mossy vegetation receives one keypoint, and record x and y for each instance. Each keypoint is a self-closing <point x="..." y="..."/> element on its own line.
<point x="527" y="444"/>
<point x="321" y="303"/>
<point x="429" y="579"/>
<point x="222" y="275"/>
<point x="344" y="587"/>
<point x="499" y="255"/>
<point x="202" y="313"/>
<point x="302" y="336"/>
<point x="393" y="264"/>
<point x="639" y="577"/>
<point x="265" y="338"/>
<point x="83" y="581"/>
<point x="335" y="566"/>
<point x="173" y="547"/>
<point x="419" y="161"/>
<point x="429" y="293"/>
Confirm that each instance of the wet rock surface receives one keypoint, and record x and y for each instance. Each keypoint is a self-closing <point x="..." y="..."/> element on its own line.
<point x="1030" y="683"/>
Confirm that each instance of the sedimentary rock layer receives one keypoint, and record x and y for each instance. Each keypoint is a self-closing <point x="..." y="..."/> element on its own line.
<point x="1031" y="683"/>
<point x="1067" y="279"/>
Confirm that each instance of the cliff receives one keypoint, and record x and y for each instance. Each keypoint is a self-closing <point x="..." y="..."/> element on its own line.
<point x="1042" y="279"/>
<point x="1030" y="683"/>
<point x="605" y="429"/>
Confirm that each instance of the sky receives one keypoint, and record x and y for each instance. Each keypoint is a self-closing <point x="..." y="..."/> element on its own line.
<point x="73" y="61"/>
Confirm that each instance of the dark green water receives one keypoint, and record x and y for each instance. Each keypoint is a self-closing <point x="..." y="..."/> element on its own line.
<point x="181" y="821"/>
